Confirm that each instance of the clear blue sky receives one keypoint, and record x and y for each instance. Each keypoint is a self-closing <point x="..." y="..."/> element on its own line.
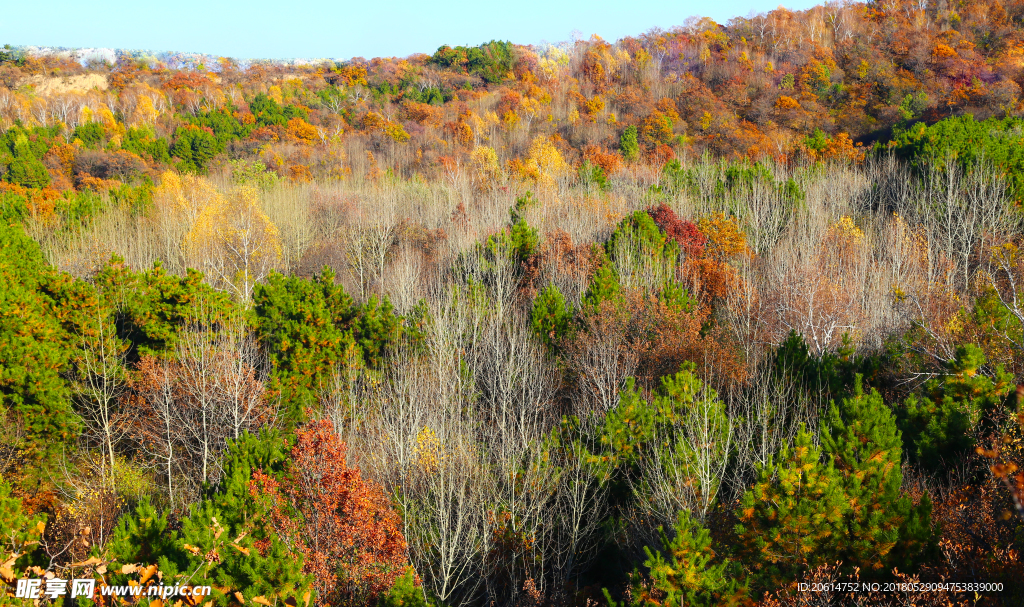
<point x="342" y="29"/>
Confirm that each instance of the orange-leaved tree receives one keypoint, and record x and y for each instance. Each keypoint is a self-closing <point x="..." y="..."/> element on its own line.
<point x="343" y="524"/>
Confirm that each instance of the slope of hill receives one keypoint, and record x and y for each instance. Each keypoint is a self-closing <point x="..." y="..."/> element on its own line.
<point x="707" y="316"/>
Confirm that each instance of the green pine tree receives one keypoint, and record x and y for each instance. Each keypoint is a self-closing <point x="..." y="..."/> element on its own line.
<point x="26" y="169"/>
<point x="154" y="306"/>
<point x="637" y="235"/>
<point x="19" y="533"/>
<point x="519" y="241"/>
<point x="604" y="286"/>
<point x="551" y="316"/>
<point x="791" y="517"/>
<point x="226" y="541"/>
<point x="312" y="326"/>
<point x="40" y="310"/>
<point x="689" y="572"/>
<point x="28" y="172"/>
<point x="629" y="144"/>
<point x="940" y="425"/>
<point x="629" y="427"/>
<point x="145" y="536"/>
<point x="405" y="593"/>
<point x="194" y="148"/>
<point x="861" y="437"/>
<point x="665" y="426"/>
<point x="677" y="298"/>
<point x="376" y="329"/>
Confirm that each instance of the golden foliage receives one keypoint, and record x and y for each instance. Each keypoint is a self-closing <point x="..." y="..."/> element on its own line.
<point x="725" y="238"/>
<point x="943" y="51"/>
<point x="145" y="111"/>
<point x="423" y="113"/>
<point x="544" y="163"/>
<point x="428" y="452"/>
<point x="786" y="103"/>
<point x="302" y="130"/>
<point x="485" y="162"/>
<point x="840" y="149"/>
<point x="593" y="106"/>
<point x="845" y="233"/>
<point x="184" y="197"/>
<point x="234" y="241"/>
<point x="396" y="132"/>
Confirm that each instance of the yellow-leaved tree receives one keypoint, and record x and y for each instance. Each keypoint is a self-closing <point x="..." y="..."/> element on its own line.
<point x="185" y="196"/>
<point x="234" y="242"/>
<point x="545" y="163"/>
<point x="487" y="173"/>
<point x="178" y="201"/>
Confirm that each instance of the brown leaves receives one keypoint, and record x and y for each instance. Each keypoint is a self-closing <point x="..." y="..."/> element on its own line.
<point x="91" y="561"/>
<point x="244" y="551"/>
<point x="346" y="522"/>
<point x="7" y="568"/>
<point x="1004" y="469"/>
<point x="147" y="573"/>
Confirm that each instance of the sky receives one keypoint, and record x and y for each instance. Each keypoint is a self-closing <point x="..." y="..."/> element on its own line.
<point x="343" y="29"/>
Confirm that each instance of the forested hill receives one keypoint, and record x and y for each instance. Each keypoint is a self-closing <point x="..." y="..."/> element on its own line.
<point x="700" y="317"/>
<point x="757" y="87"/>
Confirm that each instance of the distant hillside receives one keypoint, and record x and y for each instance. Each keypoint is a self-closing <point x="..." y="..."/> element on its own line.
<point x="777" y="85"/>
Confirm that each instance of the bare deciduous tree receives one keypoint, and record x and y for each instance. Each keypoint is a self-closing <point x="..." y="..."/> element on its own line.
<point x="100" y="385"/>
<point x="204" y="420"/>
<point x="602" y="359"/>
<point x="161" y="434"/>
<point x="239" y="378"/>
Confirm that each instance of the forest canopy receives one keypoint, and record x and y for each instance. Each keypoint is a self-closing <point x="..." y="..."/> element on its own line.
<point x="702" y="316"/>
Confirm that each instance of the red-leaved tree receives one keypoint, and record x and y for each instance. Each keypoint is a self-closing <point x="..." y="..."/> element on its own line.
<point x="690" y="239"/>
<point x="343" y="524"/>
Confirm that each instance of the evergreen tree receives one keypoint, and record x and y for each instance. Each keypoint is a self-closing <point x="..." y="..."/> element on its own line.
<point x="145" y="536"/>
<point x="638" y="241"/>
<point x="36" y="329"/>
<point x="312" y="326"/>
<point x="376" y="328"/>
<point x="519" y="241"/>
<point x="194" y="148"/>
<point x="524" y="238"/>
<point x="677" y="298"/>
<point x="689" y="573"/>
<point x="861" y="437"/>
<point x="995" y="141"/>
<point x="249" y="558"/>
<point x="791" y="517"/>
<point x="154" y="306"/>
<point x="604" y="286"/>
<point x="24" y="167"/>
<point x="629" y="427"/>
<point x="28" y="171"/>
<point x="226" y="541"/>
<point x="629" y="143"/>
<point x="832" y="375"/>
<point x="91" y="134"/>
<point x="266" y="452"/>
<point x="640" y="228"/>
<point x="405" y="593"/>
<point x="940" y="425"/>
<point x="551" y="317"/>
<point x="684" y="428"/>
<point x="19" y="535"/>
